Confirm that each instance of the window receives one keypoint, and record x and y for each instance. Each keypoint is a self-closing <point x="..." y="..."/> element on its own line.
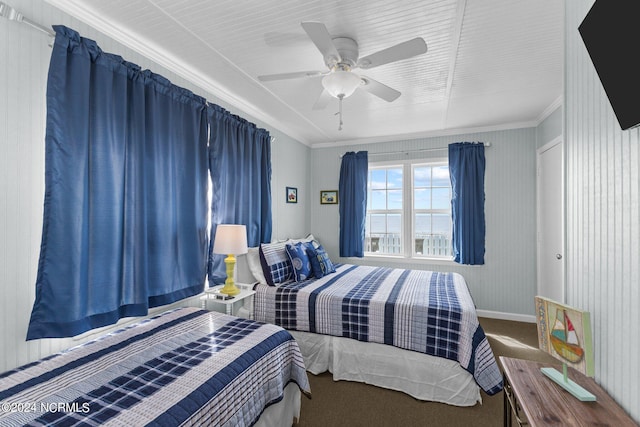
<point x="431" y="210"/>
<point x="383" y="227"/>
<point x="409" y="210"/>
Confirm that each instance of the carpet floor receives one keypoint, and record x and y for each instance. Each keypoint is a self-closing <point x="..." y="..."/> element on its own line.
<point x="346" y="403"/>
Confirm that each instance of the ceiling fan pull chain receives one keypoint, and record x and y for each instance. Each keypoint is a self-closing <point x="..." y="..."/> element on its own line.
<point x="340" y="111"/>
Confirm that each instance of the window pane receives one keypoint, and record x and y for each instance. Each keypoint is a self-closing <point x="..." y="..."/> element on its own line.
<point x="442" y="225"/>
<point x="439" y="242"/>
<point x="384" y="234"/>
<point x="432" y="232"/>
<point x="441" y="198"/>
<point x="394" y="224"/>
<point x="394" y="178"/>
<point x="378" y="199"/>
<point x="394" y="199"/>
<point x="441" y="176"/>
<point x="378" y="224"/>
<point x="422" y="224"/>
<point x="392" y="243"/>
<point x="422" y="176"/>
<point x="378" y="178"/>
<point x="422" y="199"/>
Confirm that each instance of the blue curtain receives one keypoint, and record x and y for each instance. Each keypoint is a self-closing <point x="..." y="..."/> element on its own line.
<point x="125" y="209"/>
<point x="352" y="192"/>
<point x="466" y="170"/>
<point x="240" y="167"/>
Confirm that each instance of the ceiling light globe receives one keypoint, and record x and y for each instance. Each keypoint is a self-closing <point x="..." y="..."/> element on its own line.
<point x="341" y="83"/>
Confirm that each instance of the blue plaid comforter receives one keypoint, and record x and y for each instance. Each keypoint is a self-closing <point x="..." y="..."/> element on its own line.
<point x="184" y="367"/>
<point x="423" y="311"/>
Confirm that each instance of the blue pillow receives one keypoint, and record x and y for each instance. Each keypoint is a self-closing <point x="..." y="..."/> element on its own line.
<point x="321" y="265"/>
<point x="299" y="260"/>
<point x="275" y="263"/>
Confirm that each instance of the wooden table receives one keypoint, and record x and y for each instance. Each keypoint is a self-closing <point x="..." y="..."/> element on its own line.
<point x="535" y="399"/>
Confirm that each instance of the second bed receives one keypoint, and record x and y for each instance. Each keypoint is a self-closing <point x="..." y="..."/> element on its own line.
<point x="409" y="330"/>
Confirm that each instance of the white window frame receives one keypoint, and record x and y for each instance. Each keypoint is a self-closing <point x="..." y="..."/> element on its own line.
<point x="408" y="213"/>
<point x="401" y="212"/>
<point x="416" y="164"/>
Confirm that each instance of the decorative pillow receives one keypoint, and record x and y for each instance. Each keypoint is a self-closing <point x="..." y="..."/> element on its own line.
<point x="321" y="265"/>
<point x="309" y="238"/>
<point x="253" y="259"/>
<point x="275" y="263"/>
<point x="300" y="263"/>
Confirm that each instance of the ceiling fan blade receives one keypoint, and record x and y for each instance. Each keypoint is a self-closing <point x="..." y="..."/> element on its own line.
<point x="323" y="100"/>
<point x="320" y="36"/>
<point x="398" y="52"/>
<point x="284" y="76"/>
<point x="378" y="89"/>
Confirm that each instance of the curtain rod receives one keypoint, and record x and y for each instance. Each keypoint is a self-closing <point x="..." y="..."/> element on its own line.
<point x="420" y="150"/>
<point x="11" y="14"/>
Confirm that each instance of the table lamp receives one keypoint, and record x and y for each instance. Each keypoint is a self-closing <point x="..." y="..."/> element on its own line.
<point x="230" y="240"/>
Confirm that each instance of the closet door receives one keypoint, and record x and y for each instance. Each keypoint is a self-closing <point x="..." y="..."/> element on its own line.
<point x="550" y="201"/>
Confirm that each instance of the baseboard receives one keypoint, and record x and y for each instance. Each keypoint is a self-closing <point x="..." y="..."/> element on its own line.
<point x="507" y="316"/>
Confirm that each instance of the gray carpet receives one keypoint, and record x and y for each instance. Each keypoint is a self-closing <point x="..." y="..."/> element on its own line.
<point x="344" y="403"/>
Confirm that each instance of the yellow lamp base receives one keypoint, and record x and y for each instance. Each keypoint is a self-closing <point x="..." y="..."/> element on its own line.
<point x="230" y="287"/>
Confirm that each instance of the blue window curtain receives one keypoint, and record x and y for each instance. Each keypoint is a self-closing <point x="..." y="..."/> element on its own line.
<point x="352" y="191"/>
<point x="125" y="208"/>
<point x="466" y="170"/>
<point x="240" y="168"/>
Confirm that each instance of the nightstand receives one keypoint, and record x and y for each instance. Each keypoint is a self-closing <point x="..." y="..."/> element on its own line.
<point x="214" y="300"/>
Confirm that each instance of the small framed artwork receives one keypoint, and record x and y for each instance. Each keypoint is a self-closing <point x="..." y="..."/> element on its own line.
<point x="292" y="195"/>
<point x="329" y="197"/>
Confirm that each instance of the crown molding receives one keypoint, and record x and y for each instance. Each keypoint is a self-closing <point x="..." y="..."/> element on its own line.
<point x="551" y="108"/>
<point x="170" y="62"/>
<point x="447" y="132"/>
<point x="428" y="134"/>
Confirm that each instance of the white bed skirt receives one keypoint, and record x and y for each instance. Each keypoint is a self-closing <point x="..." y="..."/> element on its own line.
<point x="284" y="413"/>
<point x="419" y="375"/>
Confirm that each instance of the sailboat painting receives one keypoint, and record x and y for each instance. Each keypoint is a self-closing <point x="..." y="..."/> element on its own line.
<point x="565" y="333"/>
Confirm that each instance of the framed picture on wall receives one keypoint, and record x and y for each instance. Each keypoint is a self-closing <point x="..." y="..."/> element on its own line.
<point x="329" y="197"/>
<point x="292" y="195"/>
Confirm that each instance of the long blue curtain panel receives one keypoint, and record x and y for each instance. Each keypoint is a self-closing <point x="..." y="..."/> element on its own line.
<point x="353" y="202"/>
<point x="240" y="165"/>
<point x="125" y="209"/>
<point x="466" y="170"/>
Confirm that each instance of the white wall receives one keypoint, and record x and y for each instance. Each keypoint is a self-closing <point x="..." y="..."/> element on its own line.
<point x="506" y="283"/>
<point x="23" y="68"/>
<point x="23" y="75"/>
<point x="550" y="128"/>
<point x="290" y="163"/>
<point x="603" y="218"/>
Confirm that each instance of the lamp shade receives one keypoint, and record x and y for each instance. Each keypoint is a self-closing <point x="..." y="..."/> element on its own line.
<point x="341" y="84"/>
<point x="230" y="239"/>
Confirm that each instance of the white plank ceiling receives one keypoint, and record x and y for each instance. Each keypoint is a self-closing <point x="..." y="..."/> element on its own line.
<point x="490" y="63"/>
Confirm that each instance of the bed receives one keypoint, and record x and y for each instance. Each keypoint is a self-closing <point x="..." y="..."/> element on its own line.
<point x="183" y="367"/>
<point x="409" y="330"/>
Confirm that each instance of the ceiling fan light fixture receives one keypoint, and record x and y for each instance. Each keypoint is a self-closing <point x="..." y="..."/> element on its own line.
<point x="341" y="84"/>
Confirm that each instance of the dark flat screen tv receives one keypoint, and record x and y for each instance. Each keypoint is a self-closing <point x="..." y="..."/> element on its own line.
<point x="611" y="34"/>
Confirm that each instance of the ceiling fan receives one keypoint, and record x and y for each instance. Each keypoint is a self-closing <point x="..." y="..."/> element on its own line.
<point x="341" y="57"/>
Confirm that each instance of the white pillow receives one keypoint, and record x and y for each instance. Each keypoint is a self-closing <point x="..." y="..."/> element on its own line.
<point x="253" y="259"/>
<point x="309" y="238"/>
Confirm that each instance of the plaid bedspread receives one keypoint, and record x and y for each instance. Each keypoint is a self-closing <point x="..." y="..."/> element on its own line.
<point x="184" y="367"/>
<point x="423" y="311"/>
